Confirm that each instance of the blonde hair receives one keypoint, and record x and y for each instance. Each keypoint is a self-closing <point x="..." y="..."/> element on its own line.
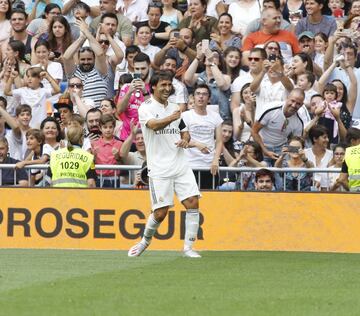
<point x="74" y="136"/>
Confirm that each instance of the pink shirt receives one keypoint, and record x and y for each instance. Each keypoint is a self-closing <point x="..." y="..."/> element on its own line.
<point x="131" y="111"/>
<point x="104" y="156"/>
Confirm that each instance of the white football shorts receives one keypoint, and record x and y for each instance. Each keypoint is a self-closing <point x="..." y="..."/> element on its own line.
<point x="162" y="189"/>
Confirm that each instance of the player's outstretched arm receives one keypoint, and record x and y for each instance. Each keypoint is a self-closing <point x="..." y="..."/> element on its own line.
<point x="158" y="124"/>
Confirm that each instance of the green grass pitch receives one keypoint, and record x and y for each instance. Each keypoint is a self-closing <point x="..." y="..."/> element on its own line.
<point x="71" y="282"/>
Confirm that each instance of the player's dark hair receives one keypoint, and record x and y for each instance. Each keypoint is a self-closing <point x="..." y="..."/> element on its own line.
<point x="158" y="76"/>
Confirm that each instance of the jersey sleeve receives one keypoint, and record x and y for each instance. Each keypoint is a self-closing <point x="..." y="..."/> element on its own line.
<point x="145" y="115"/>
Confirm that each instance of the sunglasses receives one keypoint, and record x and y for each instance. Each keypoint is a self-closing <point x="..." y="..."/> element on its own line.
<point x="106" y="42"/>
<point x="254" y="58"/>
<point x="76" y="85"/>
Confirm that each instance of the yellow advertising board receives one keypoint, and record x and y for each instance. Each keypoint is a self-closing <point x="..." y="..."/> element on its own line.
<point x="115" y="219"/>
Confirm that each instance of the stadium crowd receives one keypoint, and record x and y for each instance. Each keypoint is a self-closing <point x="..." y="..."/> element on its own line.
<point x="260" y="83"/>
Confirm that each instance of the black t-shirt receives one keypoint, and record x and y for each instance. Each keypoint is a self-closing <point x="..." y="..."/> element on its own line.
<point x="160" y="29"/>
<point x="7" y="176"/>
<point x="344" y="168"/>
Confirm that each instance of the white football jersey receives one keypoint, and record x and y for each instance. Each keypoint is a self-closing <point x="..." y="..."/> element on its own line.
<point x="164" y="158"/>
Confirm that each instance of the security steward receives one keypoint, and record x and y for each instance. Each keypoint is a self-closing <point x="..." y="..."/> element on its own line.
<point x="72" y="167"/>
<point x="350" y="171"/>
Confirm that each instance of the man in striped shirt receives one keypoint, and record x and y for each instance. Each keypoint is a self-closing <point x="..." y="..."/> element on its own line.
<point x="92" y="68"/>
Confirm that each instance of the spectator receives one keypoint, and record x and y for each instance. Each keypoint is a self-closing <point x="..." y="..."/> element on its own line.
<point x="33" y="94"/>
<point x="7" y="175"/>
<point x="337" y="162"/>
<point x="133" y="9"/>
<point x="270" y="30"/>
<point x="264" y="180"/>
<point x="132" y="95"/>
<point x="92" y="119"/>
<point x="306" y="82"/>
<point x="19" y="126"/>
<point x="34" y="143"/>
<point x="127" y="66"/>
<point x="256" y="59"/>
<point x="295" y="181"/>
<point x="243" y="12"/>
<point x="80" y="11"/>
<point x="18" y="21"/>
<point x="15" y="60"/>
<point x="214" y="77"/>
<point x="321" y="43"/>
<point x="319" y="155"/>
<point x="170" y="14"/>
<point x="293" y="11"/>
<point x="160" y="30"/>
<point x="206" y="144"/>
<point x="106" y="150"/>
<point x="92" y="68"/>
<point x="180" y="95"/>
<point x="81" y="105"/>
<point x="65" y="110"/>
<point x="5" y="26"/>
<point x="123" y="28"/>
<point x="232" y="58"/>
<point x="39" y="26"/>
<point x="179" y="46"/>
<point x="315" y="21"/>
<point x="133" y="158"/>
<point x="201" y="24"/>
<point x="299" y="65"/>
<point x="107" y="106"/>
<point x="224" y="38"/>
<point x="244" y="116"/>
<point x="273" y="48"/>
<point x="255" y="25"/>
<point x="271" y="86"/>
<point x="250" y="156"/>
<point x="143" y="38"/>
<point x="272" y="129"/>
<point x="36" y="8"/>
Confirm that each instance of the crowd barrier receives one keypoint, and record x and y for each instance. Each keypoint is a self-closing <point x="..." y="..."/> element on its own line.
<point x="225" y="172"/>
<point x="115" y="219"/>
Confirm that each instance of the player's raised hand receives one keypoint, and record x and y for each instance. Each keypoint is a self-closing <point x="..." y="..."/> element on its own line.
<point x="176" y="115"/>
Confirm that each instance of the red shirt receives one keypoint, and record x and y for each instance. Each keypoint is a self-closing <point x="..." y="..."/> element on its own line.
<point x="286" y="39"/>
<point x="102" y="150"/>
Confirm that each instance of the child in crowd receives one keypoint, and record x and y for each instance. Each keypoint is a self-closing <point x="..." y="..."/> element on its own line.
<point x="106" y="150"/>
<point x="19" y="126"/>
<point x="107" y="106"/>
<point x="321" y="44"/>
<point x="34" y="141"/>
<point x="306" y="82"/>
<point x="33" y="94"/>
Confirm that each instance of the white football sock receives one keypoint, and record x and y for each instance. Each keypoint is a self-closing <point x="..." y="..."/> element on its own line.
<point x="150" y="229"/>
<point x="192" y="220"/>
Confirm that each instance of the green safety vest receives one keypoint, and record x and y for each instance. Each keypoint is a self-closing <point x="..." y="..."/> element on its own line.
<point x="352" y="159"/>
<point x="69" y="168"/>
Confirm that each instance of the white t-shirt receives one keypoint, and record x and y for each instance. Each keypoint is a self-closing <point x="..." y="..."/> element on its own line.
<point x="239" y="82"/>
<point x="17" y="146"/>
<point x="243" y="16"/>
<point x="323" y="178"/>
<point x="202" y="129"/>
<point x="136" y="11"/>
<point x="150" y="50"/>
<point x="268" y="95"/>
<point x="164" y="158"/>
<point x="36" y="99"/>
<point x="181" y="94"/>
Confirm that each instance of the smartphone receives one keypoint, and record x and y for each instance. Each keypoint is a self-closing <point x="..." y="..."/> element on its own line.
<point x="137" y="75"/>
<point x="177" y="34"/>
<point x="57" y="116"/>
<point x="272" y="57"/>
<point x="57" y="54"/>
<point x="204" y="45"/>
<point x="292" y="149"/>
